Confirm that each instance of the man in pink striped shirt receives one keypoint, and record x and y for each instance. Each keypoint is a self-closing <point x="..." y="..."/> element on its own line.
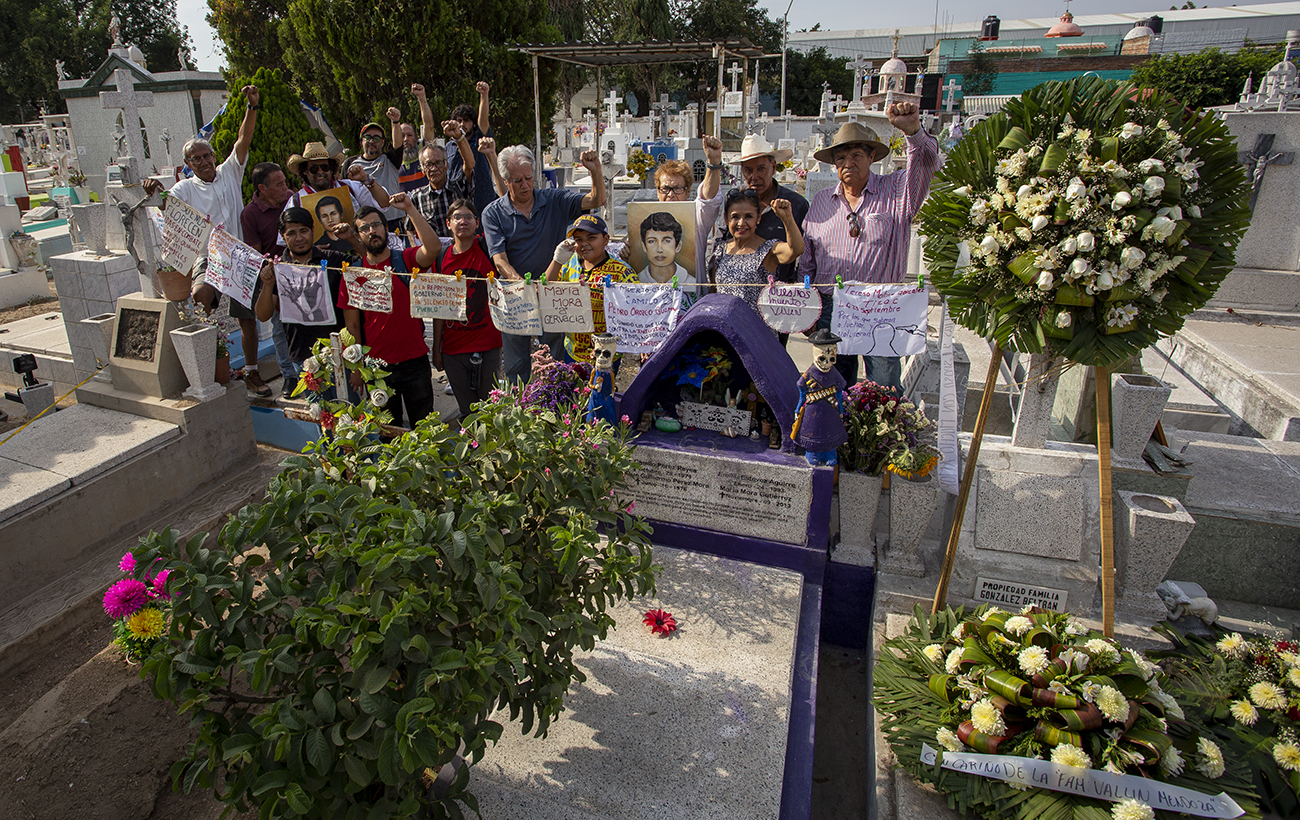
<point x="859" y="229"/>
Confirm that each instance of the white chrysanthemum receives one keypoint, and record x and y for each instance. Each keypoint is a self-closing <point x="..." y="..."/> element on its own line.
<point x="1171" y="705"/>
<point x="987" y="719"/>
<point x="953" y="662"/>
<point x="1287" y="756"/>
<point x="934" y="652"/>
<point x="948" y="739"/>
<point x="1148" y="668"/>
<point x="1293" y="677"/>
<point x="959" y="631"/>
<point x="1018" y="625"/>
<point x="1067" y="754"/>
<point x="1113" y="704"/>
<point x="1268" y="695"/>
<point x="1245" y="712"/>
<point x="1033" y="660"/>
<point x="1101" y="650"/>
<point x="1211" y="762"/>
<point x="1171" y="762"/>
<point x="1132" y="809"/>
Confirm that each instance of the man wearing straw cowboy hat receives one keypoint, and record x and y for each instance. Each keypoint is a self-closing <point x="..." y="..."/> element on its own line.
<point x="758" y="161"/>
<point x="860" y="229"/>
<point x="317" y="168"/>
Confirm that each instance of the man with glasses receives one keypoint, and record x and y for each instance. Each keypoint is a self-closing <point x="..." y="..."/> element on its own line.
<point x="758" y="161"/>
<point x="433" y="199"/>
<point x="318" y="169"/>
<point x="860" y="229"/>
<point x="522" y="230"/>
<point x="376" y="167"/>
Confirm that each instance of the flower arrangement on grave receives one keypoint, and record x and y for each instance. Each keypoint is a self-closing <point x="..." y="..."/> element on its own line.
<point x="388" y="602"/>
<point x="1040" y="685"/>
<point x="318" y="377"/>
<point x="639" y="163"/>
<point x="139" y="605"/>
<point x="555" y="386"/>
<point x="76" y="179"/>
<point x="1097" y="217"/>
<point x="1247" y="688"/>
<point x="886" y="433"/>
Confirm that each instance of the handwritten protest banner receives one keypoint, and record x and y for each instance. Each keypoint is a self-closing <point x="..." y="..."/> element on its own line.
<point x="304" y="293"/>
<point x="183" y="231"/>
<point x="369" y="289"/>
<point x="641" y="316"/>
<point x="434" y="296"/>
<point x="880" y="320"/>
<point x="566" y="308"/>
<point x="514" y="309"/>
<point x="232" y="266"/>
<point x="1102" y="785"/>
<point x="789" y="309"/>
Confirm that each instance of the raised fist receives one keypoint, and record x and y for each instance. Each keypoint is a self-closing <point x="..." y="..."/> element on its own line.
<point x="252" y="95"/>
<point x="394" y="114"/>
<point x="482" y="88"/>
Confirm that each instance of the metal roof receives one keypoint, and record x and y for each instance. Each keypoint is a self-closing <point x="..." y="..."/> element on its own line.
<point x="645" y="52"/>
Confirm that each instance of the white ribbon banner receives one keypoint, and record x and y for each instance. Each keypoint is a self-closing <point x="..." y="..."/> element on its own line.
<point x="880" y="320"/>
<point x="566" y="308"/>
<point x="641" y="316"/>
<point x="949" y="426"/>
<point x="232" y="266"/>
<point x="182" y="235"/>
<point x="1094" y="783"/>
<point x="513" y="306"/>
<point x="375" y="294"/>
<point x="436" y="296"/>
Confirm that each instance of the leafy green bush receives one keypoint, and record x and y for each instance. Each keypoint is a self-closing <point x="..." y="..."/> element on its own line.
<point x="406" y="592"/>
<point x="282" y="127"/>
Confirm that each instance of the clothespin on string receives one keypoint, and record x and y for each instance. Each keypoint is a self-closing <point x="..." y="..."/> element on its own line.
<point x="528" y="278"/>
<point x="324" y="267"/>
<point x="807" y="282"/>
<point x="771" y="281"/>
<point x="674" y="281"/>
<point x="415" y="272"/>
<point x="839" y="280"/>
<point x="608" y="281"/>
<point x="461" y="273"/>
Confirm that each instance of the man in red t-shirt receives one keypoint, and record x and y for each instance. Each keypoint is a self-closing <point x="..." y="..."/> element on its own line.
<point x="469" y="352"/>
<point x="395" y="338"/>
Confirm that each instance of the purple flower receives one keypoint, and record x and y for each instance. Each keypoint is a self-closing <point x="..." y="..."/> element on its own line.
<point x="127" y="564"/>
<point x="160" y="585"/>
<point x="125" y="598"/>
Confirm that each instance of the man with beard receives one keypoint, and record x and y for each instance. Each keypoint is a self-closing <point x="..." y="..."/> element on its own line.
<point x="318" y="167"/>
<point x="432" y="200"/>
<point x="396" y="338"/>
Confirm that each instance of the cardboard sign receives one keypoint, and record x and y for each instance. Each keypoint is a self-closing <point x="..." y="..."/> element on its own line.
<point x="514" y="308"/>
<point x="183" y="231"/>
<point x="789" y="308"/>
<point x="232" y="266"/>
<point x="566" y="308"/>
<point x="304" y="293"/>
<point x="641" y="316"/>
<point x="880" y="320"/>
<point x="435" y="296"/>
<point x="369" y="289"/>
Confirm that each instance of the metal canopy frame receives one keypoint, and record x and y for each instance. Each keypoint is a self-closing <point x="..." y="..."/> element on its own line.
<point x="644" y="52"/>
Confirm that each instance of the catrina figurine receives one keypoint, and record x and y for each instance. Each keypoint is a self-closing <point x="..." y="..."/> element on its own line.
<point x="818" y="426"/>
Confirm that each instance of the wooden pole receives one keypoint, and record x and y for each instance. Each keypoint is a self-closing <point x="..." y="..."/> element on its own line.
<point x="1102" y="377"/>
<point x="968" y="478"/>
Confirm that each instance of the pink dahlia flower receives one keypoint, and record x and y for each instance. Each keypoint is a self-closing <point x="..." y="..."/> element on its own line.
<point x="127" y="564"/>
<point x="125" y="598"/>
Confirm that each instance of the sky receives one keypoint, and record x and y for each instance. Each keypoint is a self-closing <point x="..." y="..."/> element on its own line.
<point x="832" y="14"/>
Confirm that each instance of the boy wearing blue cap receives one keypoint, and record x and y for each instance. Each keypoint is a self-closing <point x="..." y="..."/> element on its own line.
<point x="589" y="263"/>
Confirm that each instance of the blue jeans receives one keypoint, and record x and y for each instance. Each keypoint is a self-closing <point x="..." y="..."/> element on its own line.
<point x="288" y="367"/>
<point x="517" y="354"/>
<point x="886" y="371"/>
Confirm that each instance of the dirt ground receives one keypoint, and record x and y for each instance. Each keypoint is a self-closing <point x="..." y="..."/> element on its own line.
<point x="35" y="308"/>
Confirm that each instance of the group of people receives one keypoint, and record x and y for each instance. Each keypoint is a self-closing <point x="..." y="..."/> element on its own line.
<point x="479" y="211"/>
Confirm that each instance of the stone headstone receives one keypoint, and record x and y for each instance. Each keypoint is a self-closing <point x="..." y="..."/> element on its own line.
<point x="819" y="181"/>
<point x="143" y="359"/>
<point x="91" y="222"/>
<point x="1149" y="532"/>
<point x="1273" y="240"/>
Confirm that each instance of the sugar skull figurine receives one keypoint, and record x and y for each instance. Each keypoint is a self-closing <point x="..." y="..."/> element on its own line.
<point x="818" y="426"/>
<point x="600" y="404"/>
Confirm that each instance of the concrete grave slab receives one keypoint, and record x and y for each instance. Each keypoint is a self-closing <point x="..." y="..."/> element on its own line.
<point x="1263" y="482"/>
<point x="83" y="441"/>
<point x="689" y="726"/>
<point x="1008" y="499"/>
<point x="23" y="486"/>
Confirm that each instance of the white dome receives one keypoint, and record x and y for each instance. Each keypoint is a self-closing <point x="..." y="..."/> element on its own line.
<point x="1138" y="32"/>
<point x="894" y="66"/>
<point x="137" y="56"/>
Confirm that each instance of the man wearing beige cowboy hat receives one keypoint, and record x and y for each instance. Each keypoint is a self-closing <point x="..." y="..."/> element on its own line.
<point x="860" y="229"/>
<point x="758" y="161"/>
<point x="318" y="167"/>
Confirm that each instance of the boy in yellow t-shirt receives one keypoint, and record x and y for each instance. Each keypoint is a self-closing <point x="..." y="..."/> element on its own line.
<point x="588" y="263"/>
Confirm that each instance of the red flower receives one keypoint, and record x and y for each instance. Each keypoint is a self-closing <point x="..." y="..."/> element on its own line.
<point x="1286" y="646"/>
<point x="1294" y="713"/>
<point x="660" y="622"/>
<point x="313" y="383"/>
<point x="326" y="420"/>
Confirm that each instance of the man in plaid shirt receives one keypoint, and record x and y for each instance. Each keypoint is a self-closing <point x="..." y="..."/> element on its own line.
<point x="433" y="199"/>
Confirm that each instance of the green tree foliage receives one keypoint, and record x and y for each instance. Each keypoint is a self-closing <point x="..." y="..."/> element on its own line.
<point x="646" y="20"/>
<point x="805" y="74"/>
<point x="1207" y="78"/>
<point x="282" y="127"/>
<point x="249" y="32"/>
<point x="721" y="20"/>
<point x="356" y="61"/>
<point x="569" y="16"/>
<point x="981" y="71"/>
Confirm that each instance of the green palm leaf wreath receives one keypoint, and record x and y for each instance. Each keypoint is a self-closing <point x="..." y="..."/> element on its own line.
<point x="1097" y="216"/>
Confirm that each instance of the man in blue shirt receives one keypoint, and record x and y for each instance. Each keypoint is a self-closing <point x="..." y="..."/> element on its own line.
<point x="476" y="127"/>
<point x="522" y="230"/>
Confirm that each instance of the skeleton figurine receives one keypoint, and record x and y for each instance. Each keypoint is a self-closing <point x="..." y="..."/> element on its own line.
<point x="600" y="404"/>
<point x="818" y="427"/>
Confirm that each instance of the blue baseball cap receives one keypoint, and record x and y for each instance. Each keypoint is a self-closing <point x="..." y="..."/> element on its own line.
<point x="589" y="223"/>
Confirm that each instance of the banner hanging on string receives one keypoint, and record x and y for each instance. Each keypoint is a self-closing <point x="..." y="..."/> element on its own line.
<point x="369" y="289"/>
<point x="435" y="296"/>
<point x="182" y="237"/>
<point x="880" y="320"/>
<point x="232" y="266"/>
<point x="566" y="308"/>
<point x="514" y="309"/>
<point x="304" y="293"/>
<point x="789" y="308"/>
<point x="1094" y="783"/>
<point x="641" y="316"/>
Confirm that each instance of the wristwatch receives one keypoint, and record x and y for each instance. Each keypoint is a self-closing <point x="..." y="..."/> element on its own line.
<point x="713" y="167"/>
<point x="252" y="107"/>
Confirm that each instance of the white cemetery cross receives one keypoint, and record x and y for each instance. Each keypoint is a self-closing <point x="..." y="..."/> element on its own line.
<point x="590" y="138"/>
<point x="950" y="94"/>
<point x="128" y="197"/>
<point x="735" y="71"/>
<point x="789" y="115"/>
<point x="859" y="66"/>
<point x="663" y="107"/>
<point x="612" y="102"/>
